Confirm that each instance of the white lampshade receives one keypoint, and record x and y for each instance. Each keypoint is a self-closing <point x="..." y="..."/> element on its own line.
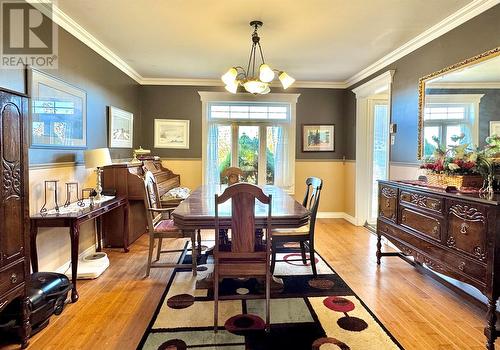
<point x="255" y="86"/>
<point x="232" y="87"/>
<point x="286" y="80"/>
<point x="266" y="91"/>
<point x="230" y="76"/>
<point x="97" y="158"/>
<point x="266" y="74"/>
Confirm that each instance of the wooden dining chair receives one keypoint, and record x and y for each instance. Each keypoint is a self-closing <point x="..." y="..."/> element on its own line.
<point x="160" y="227"/>
<point x="233" y="175"/>
<point x="305" y="234"/>
<point x="244" y="257"/>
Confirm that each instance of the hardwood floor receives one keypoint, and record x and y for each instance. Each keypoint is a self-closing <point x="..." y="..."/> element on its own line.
<point x="114" y="310"/>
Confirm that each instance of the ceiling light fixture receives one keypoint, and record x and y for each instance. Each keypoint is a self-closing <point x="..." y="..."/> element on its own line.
<point x="254" y="84"/>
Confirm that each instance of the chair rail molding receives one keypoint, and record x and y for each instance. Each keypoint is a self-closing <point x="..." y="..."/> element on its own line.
<point x="364" y="134"/>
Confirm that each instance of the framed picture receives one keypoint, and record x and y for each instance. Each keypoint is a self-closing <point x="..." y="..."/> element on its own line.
<point x="171" y="133"/>
<point x="318" y="138"/>
<point x="495" y="127"/>
<point x="58" y="113"/>
<point x="121" y="128"/>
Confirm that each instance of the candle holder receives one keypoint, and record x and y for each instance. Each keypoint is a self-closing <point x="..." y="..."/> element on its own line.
<point x="54" y="183"/>
<point x="70" y="186"/>
<point x="91" y="193"/>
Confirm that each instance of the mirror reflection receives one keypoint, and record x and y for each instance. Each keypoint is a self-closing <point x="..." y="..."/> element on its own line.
<point x="465" y="101"/>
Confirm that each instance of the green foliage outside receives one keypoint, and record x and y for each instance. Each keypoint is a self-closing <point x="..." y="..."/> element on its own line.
<point x="248" y="160"/>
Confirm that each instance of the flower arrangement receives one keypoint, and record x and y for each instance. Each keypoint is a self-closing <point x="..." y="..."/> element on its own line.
<point x="461" y="159"/>
<point x="461" y="166"/>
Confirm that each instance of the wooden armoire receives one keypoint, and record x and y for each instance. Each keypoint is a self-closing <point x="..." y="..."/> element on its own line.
<point x="14" y="211"/>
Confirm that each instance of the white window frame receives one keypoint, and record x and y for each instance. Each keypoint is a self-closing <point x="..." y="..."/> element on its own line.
<point x="470" y="100"/>
<point x="212" y="97"/>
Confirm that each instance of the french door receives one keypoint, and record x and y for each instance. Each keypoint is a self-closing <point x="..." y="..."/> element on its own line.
<point x="252" y="147"/>
<point x="379" y="168"/>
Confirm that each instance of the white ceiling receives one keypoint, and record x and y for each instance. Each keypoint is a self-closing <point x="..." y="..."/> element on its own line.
<point x="313" y="40"/>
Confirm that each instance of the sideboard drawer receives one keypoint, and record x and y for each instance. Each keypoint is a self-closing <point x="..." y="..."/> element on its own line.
<point x="467" y="229"/>
<point x="421" y="223"/>
<point x="442" y="260"/>
<point x="11" y="277"/>
<point x="422" y="201"/>
<point x="387" y="201"/>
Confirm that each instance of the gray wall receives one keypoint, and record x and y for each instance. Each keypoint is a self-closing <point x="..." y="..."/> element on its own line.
<point x="314" y="106"/>
<point x="105" y="85"/>
<point x="478" y="35"/>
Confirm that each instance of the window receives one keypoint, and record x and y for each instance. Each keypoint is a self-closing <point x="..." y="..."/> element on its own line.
<point x="256" y="136"/>
<point x="446" y="116"/>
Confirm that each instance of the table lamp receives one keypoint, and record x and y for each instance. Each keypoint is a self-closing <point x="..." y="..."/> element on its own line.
<point x="97" y="158"/>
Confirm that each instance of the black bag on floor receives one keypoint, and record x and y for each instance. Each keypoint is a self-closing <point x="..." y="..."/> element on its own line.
<point x="48" y="292"/>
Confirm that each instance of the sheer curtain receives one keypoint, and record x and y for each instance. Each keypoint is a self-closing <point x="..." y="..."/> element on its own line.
<point x="212" y="176"/>
<point x="284" y="174"/>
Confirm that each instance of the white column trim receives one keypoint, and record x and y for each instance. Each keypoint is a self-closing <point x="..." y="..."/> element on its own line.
<point x="363" y="151"/>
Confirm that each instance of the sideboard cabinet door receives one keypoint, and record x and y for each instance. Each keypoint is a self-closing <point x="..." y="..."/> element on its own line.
<point x="467" y="228"/>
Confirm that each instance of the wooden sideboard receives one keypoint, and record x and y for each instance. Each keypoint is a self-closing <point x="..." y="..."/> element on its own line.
<point x="14" y="219"/>
<point x="454" y="234"/>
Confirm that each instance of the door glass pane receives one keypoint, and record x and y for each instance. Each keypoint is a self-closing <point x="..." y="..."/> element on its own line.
<point x="429" y="144"/>
<point x="273" y="159"/>
<point x="380" y="152"/>
<point x="223" y="149"/>
<point x="248" y="152"/>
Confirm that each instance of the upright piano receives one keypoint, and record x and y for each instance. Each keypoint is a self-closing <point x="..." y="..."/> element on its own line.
<point x="126" y="179"/>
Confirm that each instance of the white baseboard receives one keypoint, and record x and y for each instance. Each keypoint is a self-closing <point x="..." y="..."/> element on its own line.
<point x="62" y="269"/>
<point x="337" y="215"/>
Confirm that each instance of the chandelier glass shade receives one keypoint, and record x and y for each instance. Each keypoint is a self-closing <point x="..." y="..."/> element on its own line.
<point x="255" y="82"/>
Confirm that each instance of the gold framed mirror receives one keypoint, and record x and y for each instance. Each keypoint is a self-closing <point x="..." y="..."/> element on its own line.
<point x="463" y="98"/>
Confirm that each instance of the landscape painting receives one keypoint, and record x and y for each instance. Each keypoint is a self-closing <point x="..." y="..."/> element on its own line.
<point x="121" y="128"/>
<point x="171" y="133"/>
<point x="317" y="138"/>
<point x="58" y="113"/>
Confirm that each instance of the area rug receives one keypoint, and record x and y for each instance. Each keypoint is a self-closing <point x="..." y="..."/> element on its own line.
<point x="306" y="313"/>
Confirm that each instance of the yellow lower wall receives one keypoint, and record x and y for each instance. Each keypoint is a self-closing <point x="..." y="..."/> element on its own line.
<point x="338" y="177"/>
<point x="53" y="243"/>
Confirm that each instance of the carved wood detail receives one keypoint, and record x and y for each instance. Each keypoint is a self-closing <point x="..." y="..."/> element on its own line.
<point x="11" y="186"/>
<point x="467" y="213"/>
<point x="451" y="242"/>
<point x="388" y="192"/>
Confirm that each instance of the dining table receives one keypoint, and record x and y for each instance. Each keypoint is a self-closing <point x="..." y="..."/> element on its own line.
<point x="198" y="212"/>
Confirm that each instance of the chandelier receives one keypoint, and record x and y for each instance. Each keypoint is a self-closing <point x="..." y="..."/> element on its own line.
<point x="247" y="78"/>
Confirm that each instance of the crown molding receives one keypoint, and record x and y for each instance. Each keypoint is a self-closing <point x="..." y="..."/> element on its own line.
<point x="459" y="17"/>
<point x="72" y="27"/>
<point x="467" y="12"/>
<point x="217" y="82"/>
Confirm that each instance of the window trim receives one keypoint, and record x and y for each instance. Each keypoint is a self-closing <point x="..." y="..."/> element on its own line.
<point x="208" y="97"/>
<point x="472" y="100"/>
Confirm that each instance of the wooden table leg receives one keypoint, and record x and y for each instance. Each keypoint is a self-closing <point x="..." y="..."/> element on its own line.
<point x="490" y="330"/>
<point x="33" y="251"/>
<point x="99" y="233"/>
<point x="125" y="228"/>
<point x="75" y="239"/>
